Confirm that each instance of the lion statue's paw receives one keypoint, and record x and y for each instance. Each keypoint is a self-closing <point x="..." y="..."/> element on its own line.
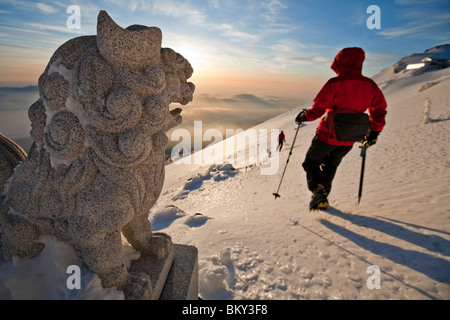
<point x="159" y="246"/>
<point x="137" y="287"/>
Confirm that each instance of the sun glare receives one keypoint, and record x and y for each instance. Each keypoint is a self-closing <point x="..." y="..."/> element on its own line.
<point x="191" y="54"/>
<point x="415" y="66"/>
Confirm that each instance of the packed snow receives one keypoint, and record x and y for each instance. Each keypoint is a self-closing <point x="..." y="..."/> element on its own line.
<point x="394" y="245"/>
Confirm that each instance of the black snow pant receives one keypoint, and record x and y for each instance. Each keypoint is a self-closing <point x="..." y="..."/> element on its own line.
<point x="321" y="163"/>
<point x="280" y="145"/>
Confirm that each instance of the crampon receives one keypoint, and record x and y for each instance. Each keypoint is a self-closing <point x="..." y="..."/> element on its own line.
<point x="319" y="201"/>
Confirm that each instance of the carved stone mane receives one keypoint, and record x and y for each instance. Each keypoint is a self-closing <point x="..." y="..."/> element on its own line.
<point x="96" y="166"/>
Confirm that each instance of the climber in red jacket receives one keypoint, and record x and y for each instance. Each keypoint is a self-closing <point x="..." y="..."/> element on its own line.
<point x="346" y="96"/>
<point x="281" y="140"/>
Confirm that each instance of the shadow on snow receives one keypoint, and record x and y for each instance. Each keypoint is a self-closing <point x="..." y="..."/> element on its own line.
<point x="434" y="267"/>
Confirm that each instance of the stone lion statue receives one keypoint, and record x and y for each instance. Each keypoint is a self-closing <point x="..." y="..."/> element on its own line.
<point x="96" y="166"/>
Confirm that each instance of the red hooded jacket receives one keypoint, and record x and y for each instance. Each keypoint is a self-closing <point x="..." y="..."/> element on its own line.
<point x="349" y="92"/>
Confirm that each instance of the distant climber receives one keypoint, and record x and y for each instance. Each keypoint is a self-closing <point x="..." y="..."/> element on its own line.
<point x="281" y="140"/>
<point x="344" y="99"/>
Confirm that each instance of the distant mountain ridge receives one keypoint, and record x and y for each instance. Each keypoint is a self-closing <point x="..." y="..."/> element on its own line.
<point x="5" y="90"/>
<point x="440" y="55"/>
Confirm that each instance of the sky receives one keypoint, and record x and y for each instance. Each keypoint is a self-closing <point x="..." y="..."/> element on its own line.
<point x="278" y="47"/>
<point x="252" y="59"/>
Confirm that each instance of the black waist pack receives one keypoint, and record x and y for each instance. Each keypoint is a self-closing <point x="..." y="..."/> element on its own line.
<point x="351" y="127"/>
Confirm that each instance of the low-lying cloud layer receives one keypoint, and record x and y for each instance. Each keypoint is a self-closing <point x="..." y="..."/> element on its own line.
<point x="240" y="111"/>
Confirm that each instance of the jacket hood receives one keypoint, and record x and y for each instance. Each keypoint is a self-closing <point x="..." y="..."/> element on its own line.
<point x="348" y="61"/>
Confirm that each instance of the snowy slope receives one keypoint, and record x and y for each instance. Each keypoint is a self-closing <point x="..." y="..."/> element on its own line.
<point x="255" y="247"/>
<point x="252" y="246"/>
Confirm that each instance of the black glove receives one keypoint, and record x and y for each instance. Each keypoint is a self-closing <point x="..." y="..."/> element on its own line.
<point x="301" y="117"/>
<point x="370" y="139"/>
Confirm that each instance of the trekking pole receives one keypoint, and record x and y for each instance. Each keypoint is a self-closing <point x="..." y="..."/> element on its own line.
<point x="361" y="179"/>
<point x="276" y="194"/>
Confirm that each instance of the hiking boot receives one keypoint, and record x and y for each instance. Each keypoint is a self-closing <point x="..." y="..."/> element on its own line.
<point x="319" y="200"/>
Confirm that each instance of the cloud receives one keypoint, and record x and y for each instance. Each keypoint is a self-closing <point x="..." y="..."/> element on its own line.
<point x="26" y="36"/>
<point x="241" y="111"/>
<point x="415" y="2"/>
<point x="178" y="9"/>
<point x="273" y="10"/>
<point x="422" y="20"/>
<point x="230" y="31"/>
<point x="57" y="28"/>
<point x="290" y="55"/>
<point x="46" y="8"/>
<point x="379" y="58"/>
<point x="436" y="28"/>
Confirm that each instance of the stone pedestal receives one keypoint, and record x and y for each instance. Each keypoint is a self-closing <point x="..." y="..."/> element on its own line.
<point x="182" y="281"/>
<point x="157" y="270"/>
<point x="173" y="278"/>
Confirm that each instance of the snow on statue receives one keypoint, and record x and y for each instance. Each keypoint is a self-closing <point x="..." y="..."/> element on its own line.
<point x="96" y="166"/>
